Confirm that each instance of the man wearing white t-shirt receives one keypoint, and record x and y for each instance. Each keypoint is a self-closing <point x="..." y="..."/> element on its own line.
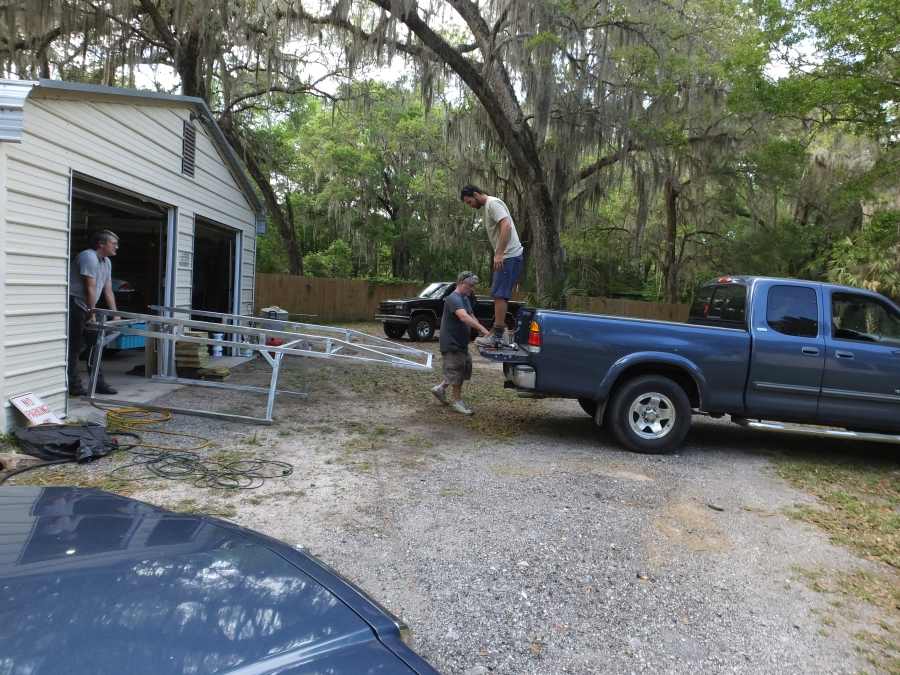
<point x="508" y="260"/>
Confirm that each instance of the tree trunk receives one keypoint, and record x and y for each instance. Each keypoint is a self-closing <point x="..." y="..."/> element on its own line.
<point x="282" y="217"/>
<point x="400" y="259"/>
<point x="670" y="263"/>
<point x="643" y="211"/>
<point x="188" y="63"/>
<point x="545" y="217"/>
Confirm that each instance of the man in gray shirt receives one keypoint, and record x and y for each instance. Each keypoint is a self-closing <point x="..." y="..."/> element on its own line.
<point x="90" y="277"/>
<point x="508" y="255"/>
<point x="456" y="323"/>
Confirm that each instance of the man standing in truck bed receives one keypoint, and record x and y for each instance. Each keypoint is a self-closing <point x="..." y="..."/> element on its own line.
<point x="501" y="231"/>
<point x="457" y="322"/>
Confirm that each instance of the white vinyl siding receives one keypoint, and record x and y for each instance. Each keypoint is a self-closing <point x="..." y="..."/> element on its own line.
<point x="135" y="146"/>
<point x="35" y="250"/>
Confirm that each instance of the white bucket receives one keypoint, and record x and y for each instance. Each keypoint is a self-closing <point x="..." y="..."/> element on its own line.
<point x="217" y="349"/>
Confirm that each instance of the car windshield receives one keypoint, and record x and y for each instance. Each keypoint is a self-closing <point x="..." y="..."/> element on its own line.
<point x="433" y="291"/>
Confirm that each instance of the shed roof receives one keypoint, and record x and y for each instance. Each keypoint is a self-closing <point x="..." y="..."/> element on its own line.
<point x="14" y="93"/>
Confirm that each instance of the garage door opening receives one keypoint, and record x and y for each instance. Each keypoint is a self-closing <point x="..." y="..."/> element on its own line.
<point x="213" y="283"/>
<point x="139" y="267"/>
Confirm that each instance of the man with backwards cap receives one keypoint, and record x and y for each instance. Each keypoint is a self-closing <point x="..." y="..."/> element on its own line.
<point x="456" y="323"/>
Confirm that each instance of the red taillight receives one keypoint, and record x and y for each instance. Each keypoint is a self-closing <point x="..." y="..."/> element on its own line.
<point x="534" y="335"/>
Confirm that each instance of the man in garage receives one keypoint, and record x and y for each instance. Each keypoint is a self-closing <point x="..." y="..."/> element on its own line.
<point x="90" y="278"/>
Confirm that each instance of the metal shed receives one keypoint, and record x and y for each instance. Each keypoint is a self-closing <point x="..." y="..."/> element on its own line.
<point x="156" y="169"/>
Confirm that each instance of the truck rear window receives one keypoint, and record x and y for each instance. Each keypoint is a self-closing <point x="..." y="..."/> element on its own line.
<point x="720" y="305"/>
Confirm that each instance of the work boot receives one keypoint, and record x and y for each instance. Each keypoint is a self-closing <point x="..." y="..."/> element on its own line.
<point x="461" y="408"/>
<point x="76" y="388"/>
<point x="440" y="393"/>
<point x="104" y="388"/>
<point x="490" y="341"/>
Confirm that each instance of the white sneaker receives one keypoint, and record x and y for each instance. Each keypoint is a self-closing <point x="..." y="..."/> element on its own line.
<point x="440" y="393"/>
<point x="461" y="407"/>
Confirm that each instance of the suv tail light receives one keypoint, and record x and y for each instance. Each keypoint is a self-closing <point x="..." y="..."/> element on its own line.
<point x="535" y="340"/>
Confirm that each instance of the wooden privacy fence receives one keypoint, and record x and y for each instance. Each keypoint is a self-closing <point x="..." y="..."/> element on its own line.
<point x="631" y="308"/>
<point x="357" y="299"/>
<point x="328" y="299"/>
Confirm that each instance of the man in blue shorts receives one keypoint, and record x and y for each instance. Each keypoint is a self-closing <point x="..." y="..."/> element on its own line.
<point x="501" y="231"/>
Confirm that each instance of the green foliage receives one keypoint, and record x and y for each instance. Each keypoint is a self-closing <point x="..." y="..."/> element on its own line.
<point x="871" y="258"/>
<point x="844" y="63"/>
<point x="335" y="261"/>
<point x="372" y="170"/>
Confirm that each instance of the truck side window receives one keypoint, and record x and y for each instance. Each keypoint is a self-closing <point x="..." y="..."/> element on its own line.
<point x="858" y="317"/>
<point x="793" y="310"/>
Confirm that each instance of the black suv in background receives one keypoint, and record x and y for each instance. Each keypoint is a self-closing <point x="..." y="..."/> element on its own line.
<point x="421" y="316"/>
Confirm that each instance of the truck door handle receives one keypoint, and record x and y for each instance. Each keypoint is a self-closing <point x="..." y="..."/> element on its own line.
<point x="810" y="351"/>
<point x="843" y="355"/>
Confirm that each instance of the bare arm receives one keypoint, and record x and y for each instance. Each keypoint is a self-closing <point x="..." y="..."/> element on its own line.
<point x="110" y="296"/>
<point x="505" y="228"/>
<point x="470" y="321"/>
<point x="90" y="290"/>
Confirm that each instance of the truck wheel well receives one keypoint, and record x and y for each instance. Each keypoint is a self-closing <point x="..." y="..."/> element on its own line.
<point x="678" y="375"/>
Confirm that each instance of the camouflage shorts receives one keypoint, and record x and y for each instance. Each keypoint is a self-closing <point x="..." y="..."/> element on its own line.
<point x="457" y="367"/>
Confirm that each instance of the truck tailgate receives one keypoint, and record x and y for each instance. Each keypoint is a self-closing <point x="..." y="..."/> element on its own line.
<point x="512" y="355"/>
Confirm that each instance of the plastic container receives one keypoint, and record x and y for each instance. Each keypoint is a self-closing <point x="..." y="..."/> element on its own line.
<point x="130" y="341"/>
<point x="217" y="349"/>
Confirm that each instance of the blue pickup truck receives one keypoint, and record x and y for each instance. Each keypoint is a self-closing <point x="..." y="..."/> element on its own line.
<point x="773" y="350"/>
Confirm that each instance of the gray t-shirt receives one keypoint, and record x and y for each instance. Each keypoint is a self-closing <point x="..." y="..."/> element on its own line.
<point x="454" y="333"/>
<point x="88" y="264"/>
<point x="495" y="211"/>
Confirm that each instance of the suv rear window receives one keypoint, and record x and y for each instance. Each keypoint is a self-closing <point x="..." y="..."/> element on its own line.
<point x="720" y="305"/>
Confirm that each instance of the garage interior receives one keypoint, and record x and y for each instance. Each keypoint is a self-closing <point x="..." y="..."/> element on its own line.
<point x="215" y="248"/>
<point x="139" y="267"/>
<point x="139" y="275"/>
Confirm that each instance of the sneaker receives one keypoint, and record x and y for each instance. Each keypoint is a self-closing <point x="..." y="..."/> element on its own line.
<point x="440" y="393"/>
<point x="461" y="408"/>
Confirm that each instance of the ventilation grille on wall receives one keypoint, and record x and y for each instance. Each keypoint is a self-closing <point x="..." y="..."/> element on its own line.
<point x="188" y="148"/>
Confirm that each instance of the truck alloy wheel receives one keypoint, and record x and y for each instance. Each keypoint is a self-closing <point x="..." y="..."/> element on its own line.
<point x="650" y="414"/>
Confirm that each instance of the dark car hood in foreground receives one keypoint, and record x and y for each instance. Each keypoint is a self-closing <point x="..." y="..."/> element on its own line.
<point x="96" y="583"/>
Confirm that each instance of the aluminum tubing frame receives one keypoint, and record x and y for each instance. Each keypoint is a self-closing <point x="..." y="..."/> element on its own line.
<point x="273" y="355"/>
<point x="122" y="326"/>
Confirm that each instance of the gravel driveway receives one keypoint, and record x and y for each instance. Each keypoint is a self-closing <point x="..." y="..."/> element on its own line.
<point x="522" y="540"/>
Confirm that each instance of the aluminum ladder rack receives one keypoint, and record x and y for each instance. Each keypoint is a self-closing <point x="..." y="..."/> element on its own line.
<point x="242" y="333"/>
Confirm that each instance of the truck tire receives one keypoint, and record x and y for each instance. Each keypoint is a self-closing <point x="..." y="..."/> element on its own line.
<point x="650" y="414"/>
<point x="394" y="331"/>
<point x="589" y="406"/>
<point x="421" y="328"/>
